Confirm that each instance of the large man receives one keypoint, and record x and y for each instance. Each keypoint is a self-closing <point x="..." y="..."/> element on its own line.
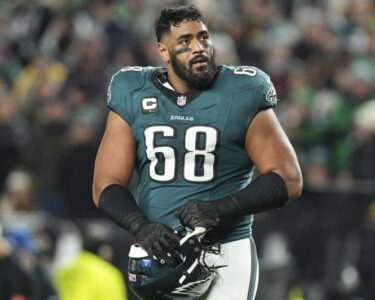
<point x="194" y="133"/>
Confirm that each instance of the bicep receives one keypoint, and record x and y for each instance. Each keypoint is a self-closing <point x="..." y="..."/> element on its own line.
<point x="270" y="149"/>
<point x="115" y="159"/>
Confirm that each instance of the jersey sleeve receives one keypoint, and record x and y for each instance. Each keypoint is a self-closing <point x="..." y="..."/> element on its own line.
<point x="263" y="94"/>
<point x="267" y="96"/>
<point x="120" y="92"/>
<point x="257" y="84"/>
<point x="258" y="90"/>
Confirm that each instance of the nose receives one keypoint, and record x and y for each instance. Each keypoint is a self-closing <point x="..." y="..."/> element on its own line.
<point x="197" y="47"/>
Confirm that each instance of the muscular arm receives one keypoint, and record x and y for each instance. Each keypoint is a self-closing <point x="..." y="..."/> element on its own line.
<point x="115" y="159"/>
<point x="280" y="178"/>
<point x="270" y="150"/>
<point x="113" y="170"/>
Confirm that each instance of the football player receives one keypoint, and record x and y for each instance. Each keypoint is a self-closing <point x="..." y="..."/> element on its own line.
<point x="194" y="132"/>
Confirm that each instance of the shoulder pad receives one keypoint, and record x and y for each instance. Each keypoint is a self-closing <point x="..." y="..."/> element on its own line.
<point x="122" y="86"/>
<point x="246" y="75"/>
<point x="128" y="78"/>
<point x="250" y="77"/>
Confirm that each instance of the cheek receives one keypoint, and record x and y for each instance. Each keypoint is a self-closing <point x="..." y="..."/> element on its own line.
<point x="182" y="50"/>
<point x="182" y="59"/>
<point x="209" y="49"/>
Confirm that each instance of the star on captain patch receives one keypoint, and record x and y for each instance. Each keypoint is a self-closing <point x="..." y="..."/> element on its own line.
<point x="181" y="100"/>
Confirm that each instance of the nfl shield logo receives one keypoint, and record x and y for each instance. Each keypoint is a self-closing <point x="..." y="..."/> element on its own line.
<point x="181" y="100"/>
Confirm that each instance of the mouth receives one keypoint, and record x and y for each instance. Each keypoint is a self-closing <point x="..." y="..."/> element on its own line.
<point x="199" y="61"/>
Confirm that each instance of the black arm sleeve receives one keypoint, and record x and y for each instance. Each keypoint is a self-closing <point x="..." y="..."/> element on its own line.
<point x="119" y="205"/>
<point x="267" y="191"/>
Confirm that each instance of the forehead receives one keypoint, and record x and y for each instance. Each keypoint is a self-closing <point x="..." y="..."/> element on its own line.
<point x="187" y="27"/>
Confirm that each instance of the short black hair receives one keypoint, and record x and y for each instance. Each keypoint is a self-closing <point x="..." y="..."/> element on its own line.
<point x="174" y="15"/>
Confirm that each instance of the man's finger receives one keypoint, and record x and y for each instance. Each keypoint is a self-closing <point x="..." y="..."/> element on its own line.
<point x="161" y="254"/>
<point x="170" y="250"/>
<point x="173" y="239"/>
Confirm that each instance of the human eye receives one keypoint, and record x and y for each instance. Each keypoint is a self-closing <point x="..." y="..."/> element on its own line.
<point x="204" y="38"/>
<point x="184" y="42"/>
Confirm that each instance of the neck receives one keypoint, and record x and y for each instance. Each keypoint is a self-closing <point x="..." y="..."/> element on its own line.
<point x="178" y="84"/>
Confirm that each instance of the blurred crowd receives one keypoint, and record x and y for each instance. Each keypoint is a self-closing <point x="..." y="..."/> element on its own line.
<point x="57" y="56"/>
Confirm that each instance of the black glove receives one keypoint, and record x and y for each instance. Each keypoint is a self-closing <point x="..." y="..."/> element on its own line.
<point x="159" y="240"/>
<point x="207" y="214"/>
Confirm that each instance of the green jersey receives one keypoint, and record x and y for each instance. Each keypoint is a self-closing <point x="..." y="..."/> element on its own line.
<point x="191" y="146"/>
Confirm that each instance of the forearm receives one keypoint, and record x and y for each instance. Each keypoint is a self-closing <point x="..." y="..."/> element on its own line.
<point x="119" y="205"/>
<point x="268" y="191"/>
<point x="157" y="239"/>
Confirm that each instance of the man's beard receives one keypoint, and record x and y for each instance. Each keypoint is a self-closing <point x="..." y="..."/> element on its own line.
<point x="199" y="80"/>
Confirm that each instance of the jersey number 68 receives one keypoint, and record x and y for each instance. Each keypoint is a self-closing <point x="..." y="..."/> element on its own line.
<point x="198" y="159"/>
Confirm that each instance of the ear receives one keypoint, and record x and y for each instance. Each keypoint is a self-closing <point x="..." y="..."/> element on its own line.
<point x="163" y="52"/>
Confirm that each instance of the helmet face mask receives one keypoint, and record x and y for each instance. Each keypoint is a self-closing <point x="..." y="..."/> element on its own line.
<point x="190" y="278"/>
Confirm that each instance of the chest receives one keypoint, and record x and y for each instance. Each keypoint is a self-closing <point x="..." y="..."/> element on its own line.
<point x="175" y="122"/>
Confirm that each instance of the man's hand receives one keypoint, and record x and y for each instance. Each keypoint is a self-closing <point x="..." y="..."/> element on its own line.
<point x="159" y="241"/>
<point x="207" y="214"/>
<point x="198" y="213"/>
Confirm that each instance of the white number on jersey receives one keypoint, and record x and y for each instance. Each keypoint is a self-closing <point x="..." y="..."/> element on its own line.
<point x="246" y="70"/>
<point x="169" y="154"/>
<point x="193" y="171"/>
<point x="132" y="68"/>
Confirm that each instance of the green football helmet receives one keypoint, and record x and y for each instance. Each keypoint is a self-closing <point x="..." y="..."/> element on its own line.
<point x="190" y="278"/>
